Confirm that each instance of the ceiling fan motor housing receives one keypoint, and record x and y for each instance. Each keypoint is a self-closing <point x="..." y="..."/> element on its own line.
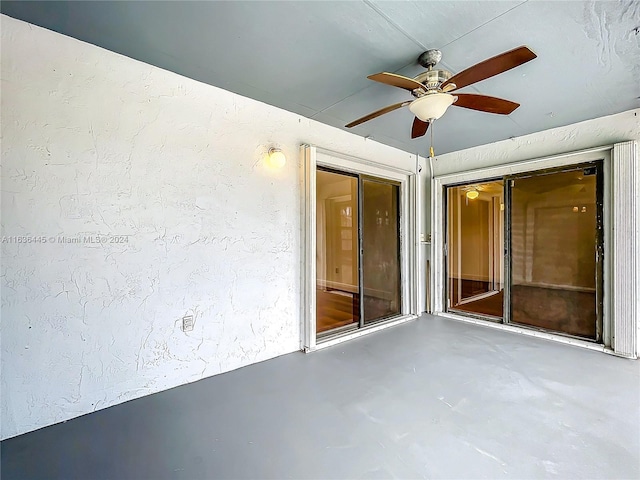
<point x="432" y="79"/>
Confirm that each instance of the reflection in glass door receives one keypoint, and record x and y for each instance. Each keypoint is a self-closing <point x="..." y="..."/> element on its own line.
<point x="556" y="251"/>
<point x="380" y="250"/>
<point x="475" y="249"/>
<point x="337" y="252"/>
<point x="357" y="251"/>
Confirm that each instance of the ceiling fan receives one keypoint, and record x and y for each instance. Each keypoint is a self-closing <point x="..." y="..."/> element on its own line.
<point x="431" y="88"/>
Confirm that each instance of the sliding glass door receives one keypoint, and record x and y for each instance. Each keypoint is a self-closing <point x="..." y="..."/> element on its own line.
<point x="380" y="250"/>
<point x="544" y="270"/>
<point x="357" y="251"/>
<point x="337" y="251"/>
<point x="475" y="249"/>
<point x="556" y="250"/>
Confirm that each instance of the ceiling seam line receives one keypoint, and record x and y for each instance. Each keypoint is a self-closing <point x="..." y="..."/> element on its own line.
<point x="341" y="100"/>
<point x="393" y="24"/>
<point x="355" y="93"/>
<point x="485" y="23"/>
<point x="514" y="121"/>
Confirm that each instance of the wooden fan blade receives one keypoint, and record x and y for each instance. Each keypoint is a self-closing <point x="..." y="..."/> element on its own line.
<point x="377" y="113"/>
<point x="492" y="66"/>
<point x="484" y="103"/>
<point x="396" y="80"/>
<point x="419" y="128"/>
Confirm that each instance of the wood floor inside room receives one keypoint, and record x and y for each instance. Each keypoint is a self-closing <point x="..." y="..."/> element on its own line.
<point x="491" y="305"/>
<point x="560" y="310"/>
<point x="335" y="308"/>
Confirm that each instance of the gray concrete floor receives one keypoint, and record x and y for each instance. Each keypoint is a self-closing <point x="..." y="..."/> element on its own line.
<point x="432" y="398"/>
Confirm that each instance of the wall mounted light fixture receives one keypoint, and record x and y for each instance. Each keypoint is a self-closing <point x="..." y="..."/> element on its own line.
<point x="276" y="158"/>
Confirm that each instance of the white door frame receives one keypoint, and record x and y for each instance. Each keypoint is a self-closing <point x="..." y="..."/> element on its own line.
<point x="621" y="206"/>
<point x="312" y="157"/>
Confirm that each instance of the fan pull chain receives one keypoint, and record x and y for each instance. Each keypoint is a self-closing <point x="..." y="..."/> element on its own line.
<point x="431" y="153"/>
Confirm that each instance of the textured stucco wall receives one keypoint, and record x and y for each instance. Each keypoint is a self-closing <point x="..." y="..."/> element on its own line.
<point x="100" y="146"/>
<point x="608" y="130"/>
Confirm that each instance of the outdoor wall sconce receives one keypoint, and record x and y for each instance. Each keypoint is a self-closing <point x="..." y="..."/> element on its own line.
<point x="276" y="158"/>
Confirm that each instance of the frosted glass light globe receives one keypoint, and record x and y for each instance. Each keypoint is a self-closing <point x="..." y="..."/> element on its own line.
<point x="277" y="159"/>
<point x="431" y="107"/>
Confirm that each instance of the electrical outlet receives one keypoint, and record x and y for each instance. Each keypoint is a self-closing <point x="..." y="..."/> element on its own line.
<point x="187" y="323"/>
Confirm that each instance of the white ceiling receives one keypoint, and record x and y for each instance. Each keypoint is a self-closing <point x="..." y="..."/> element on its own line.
<point x="312" y="58"/>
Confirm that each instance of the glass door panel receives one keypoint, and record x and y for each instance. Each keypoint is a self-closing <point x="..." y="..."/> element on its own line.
<point x="337" y="252"/>
<point x="555" y="240"/>
<point x="380" y="250"/>
<point x="475" y="248"/>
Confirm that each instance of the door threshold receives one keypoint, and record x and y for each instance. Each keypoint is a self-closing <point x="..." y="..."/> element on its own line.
<point x="552" y="332"/>
<point x="474" y="315"/>
<point x="531" y="333"/>
<point x="479" y="296"/>
<point x="334" y="340"/>
<point x="336" y="331"/>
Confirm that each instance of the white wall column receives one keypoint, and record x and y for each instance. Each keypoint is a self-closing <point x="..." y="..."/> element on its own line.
<point x="626" y="248"/>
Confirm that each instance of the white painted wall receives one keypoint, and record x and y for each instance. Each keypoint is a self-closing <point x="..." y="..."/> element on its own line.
<point x="96" y="144"/>
<point x="608" y="130"/>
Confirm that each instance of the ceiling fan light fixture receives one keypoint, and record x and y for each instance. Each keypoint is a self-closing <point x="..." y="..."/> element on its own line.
<point x="432" y="106"/>
<point x="473" y="194"/>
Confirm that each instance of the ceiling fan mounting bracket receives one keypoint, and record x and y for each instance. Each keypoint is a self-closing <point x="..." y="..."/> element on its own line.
<point x="430" y="58"/>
